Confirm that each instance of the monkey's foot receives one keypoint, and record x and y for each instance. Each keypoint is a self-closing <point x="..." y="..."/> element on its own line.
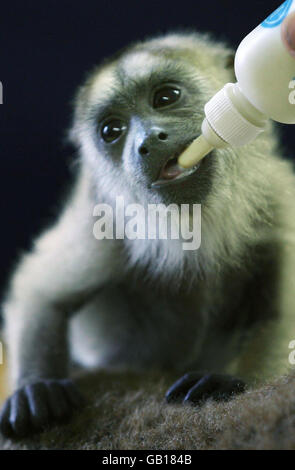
<point x="195" y="387"/>
<point x="33" y="407"/>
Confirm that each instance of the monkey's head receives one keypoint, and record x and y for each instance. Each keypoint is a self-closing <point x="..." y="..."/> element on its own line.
<point x="138" y="111"/>
<point x="136" y="114"/>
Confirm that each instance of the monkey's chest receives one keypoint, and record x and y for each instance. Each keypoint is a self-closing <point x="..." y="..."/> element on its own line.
<point x="138" y="326"/>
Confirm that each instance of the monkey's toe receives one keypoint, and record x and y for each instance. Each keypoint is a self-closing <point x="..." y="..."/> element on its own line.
<point x="35" y="406"/>
<point x="196" y="387"/>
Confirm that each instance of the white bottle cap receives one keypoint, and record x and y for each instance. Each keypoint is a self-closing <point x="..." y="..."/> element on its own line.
<point x="228" y="121"/>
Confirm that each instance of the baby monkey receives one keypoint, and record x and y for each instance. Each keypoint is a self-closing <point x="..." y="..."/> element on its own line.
<point x="224" y="311"/>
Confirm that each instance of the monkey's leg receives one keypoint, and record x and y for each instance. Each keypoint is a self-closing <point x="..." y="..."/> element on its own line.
<point x="66" y="266"/>
<point x="259" y="327"/>
<point x="266" y="353"/>
<point x="263" y="356"/>
<point x="268" y="307"/>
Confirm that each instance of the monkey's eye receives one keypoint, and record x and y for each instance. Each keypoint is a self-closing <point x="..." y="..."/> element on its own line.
<point x="165" y="96"/>
<point x="112" y="130"/>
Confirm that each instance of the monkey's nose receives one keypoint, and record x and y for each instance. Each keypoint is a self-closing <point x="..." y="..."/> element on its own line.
<point x="144" y="148"/>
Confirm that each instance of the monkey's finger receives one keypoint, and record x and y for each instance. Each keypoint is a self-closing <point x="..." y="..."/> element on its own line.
<point x="19" y="413"/>
<point x="37" y="400"/>
<point x="74" y="396"/>
<point x="228" y="390"/>
<point x="5" y="426"/>
<point x="202" y="389"/>
<point x="58" y="404"/>
<point x="179" y="389"/>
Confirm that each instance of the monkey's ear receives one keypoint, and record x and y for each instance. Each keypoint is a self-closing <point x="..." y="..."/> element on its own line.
<point x="228" y="63"/>
<point x="225" y="57"/>
<point x="230" y="60"/>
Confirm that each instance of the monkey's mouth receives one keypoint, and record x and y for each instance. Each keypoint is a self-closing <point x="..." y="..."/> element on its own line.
<point x="172" y="173"/>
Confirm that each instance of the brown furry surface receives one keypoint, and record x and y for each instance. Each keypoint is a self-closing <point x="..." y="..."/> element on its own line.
<point x="126" y="411"/>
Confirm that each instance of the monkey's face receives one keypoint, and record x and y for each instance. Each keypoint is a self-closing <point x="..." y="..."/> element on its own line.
<point x="141" y="112"/>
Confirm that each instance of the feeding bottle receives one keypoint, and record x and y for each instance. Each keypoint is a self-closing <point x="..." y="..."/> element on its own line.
<point x="265" y="89"/>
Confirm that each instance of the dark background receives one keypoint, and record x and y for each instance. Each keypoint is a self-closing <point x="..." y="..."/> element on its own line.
<point x="45" y="49"/>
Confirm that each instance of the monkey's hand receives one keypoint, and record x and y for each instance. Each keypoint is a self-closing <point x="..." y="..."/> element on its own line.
<point x="196" y="387"/>
<point x="34" y="406"/>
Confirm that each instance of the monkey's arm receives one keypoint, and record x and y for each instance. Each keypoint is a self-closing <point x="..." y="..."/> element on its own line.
<point x="66" y="265"/>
